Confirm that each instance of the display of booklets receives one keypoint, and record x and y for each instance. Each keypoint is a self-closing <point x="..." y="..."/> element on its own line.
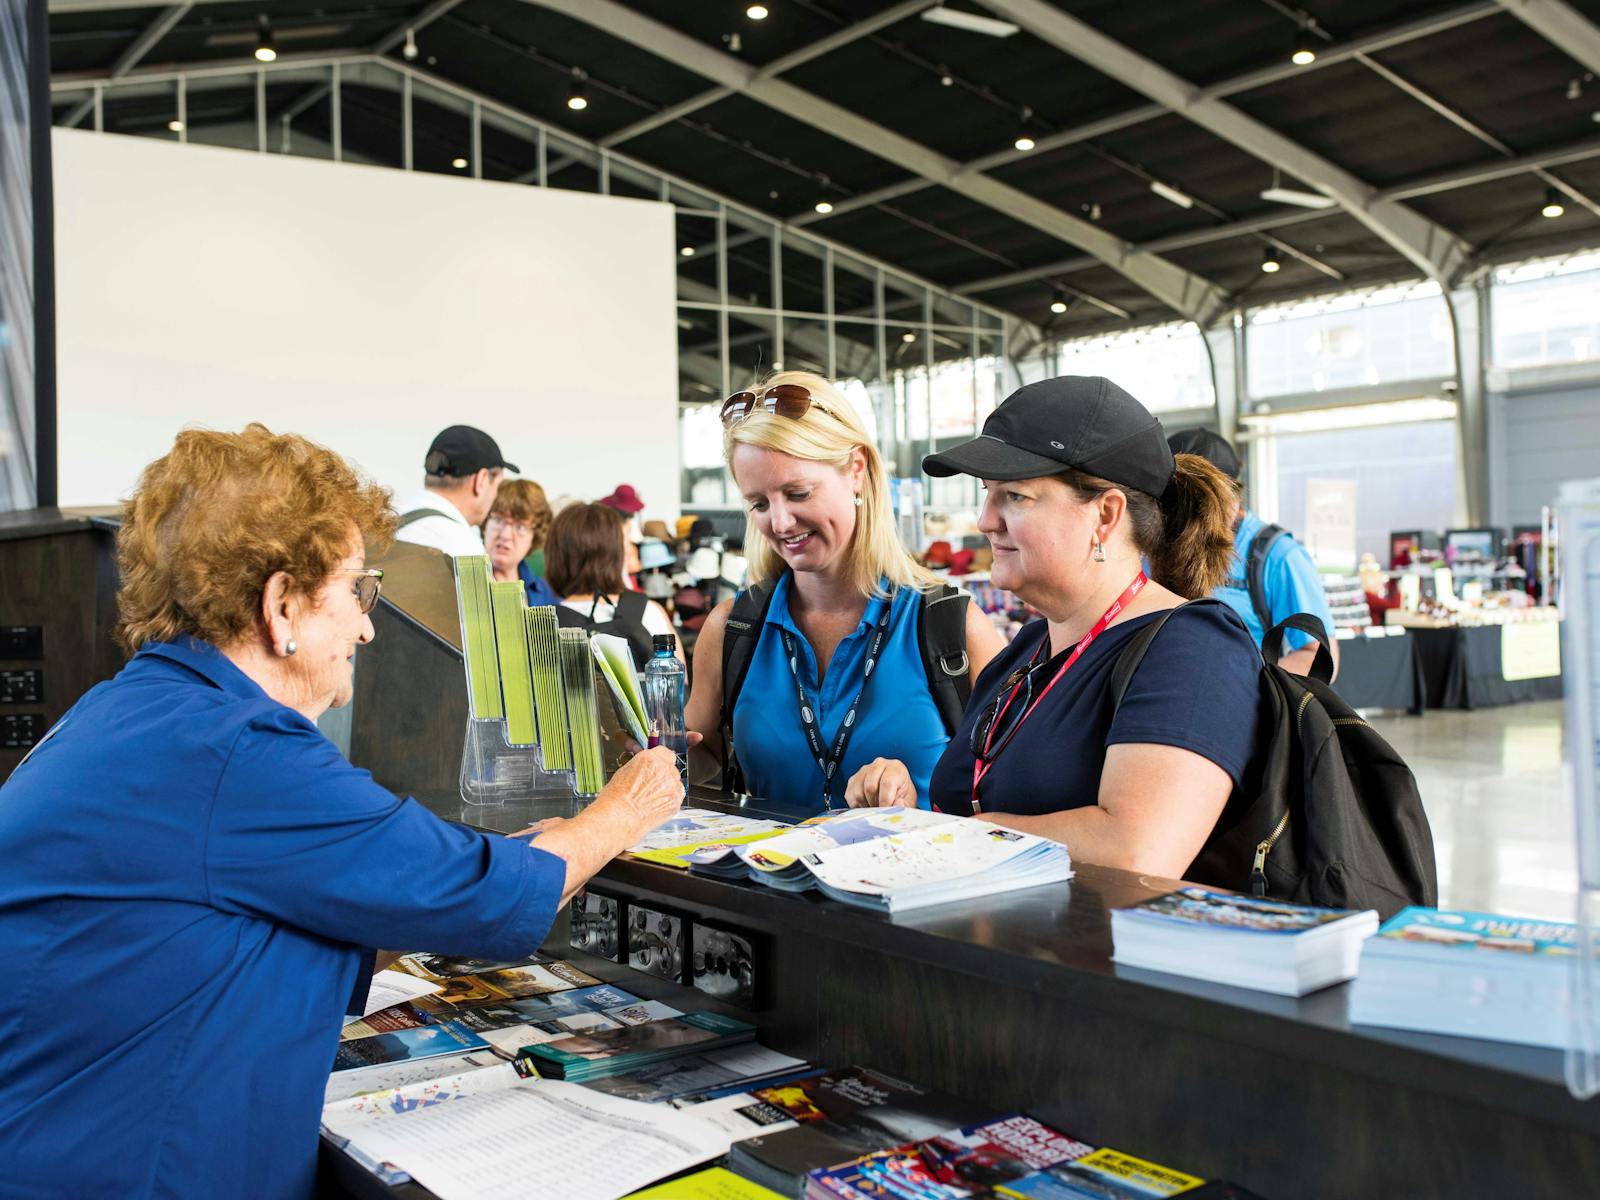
<point x="744" y="1066"/>
<point x="577" y="684"/>
<point x="691" y="831"/>
<point x="517" y="1023"/>
<point x="615" y="660"/>
<point x="536" y="1137"/>
<point x="363" y="1080"/>
<point x="403" y="1045"/>
<point x="616" y="1051"/>
<point x="957" y="860"/>
<point x="1010" y="1156"/>
<point x="1246" y="941"/>
<point x="778" y="861"/>
<point x="477" y="635"/>
<point x="510" y="601"/>
<point x="386" y="1020"/>
<point x="488" y="987"/>
<point x="742" y="1115"/>
<point x="1468" y="974"/>
<point x="550" y="705"/>
<point x="842" y="1115"/>
<point x="714" y="1183"/>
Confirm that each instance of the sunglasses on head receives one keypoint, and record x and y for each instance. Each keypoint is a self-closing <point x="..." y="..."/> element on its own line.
<point x="786" y="400"/>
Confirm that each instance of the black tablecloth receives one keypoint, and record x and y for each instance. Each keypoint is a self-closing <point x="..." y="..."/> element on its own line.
<point x="1380" y="673"/>
<point x="1461" y="669"/>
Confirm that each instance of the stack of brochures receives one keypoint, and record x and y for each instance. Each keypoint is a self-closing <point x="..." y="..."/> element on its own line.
<point x="690" y="832"/>
<point x="602" y="1052"/>
<point x="509" y="602"/>
<point x="477" y="635"/>
<point x="1468" y="974"/>
<point x="544" y="666"/>
<point x="1246" y="941"/>
<point x="694" y="1079"/>
<point x="779" y="860"/>
<point x="577" y="685"/>
<point x="960" y="859"/>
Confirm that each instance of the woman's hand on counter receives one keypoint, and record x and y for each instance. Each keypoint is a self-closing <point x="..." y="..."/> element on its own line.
<point x="881" y="783"/>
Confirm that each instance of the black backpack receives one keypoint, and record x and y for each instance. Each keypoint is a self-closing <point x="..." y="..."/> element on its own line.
<point x="1336" y="819"/>
<point x="627" y="621"/>
<point x="1255" y="571"/>
<point x="941" y="637"/>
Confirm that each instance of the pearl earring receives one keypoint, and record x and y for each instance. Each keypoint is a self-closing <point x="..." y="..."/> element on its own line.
<point x="859" y="501"/>
<point x="1099" y="550"/>
<point x="290" y="647"/>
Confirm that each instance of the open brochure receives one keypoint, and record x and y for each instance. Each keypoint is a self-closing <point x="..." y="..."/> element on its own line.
<point x="495" y="1138"/>
<point x="691" y="829"/>
<point x="615" y="661"/>
<point x="779" y="861"/>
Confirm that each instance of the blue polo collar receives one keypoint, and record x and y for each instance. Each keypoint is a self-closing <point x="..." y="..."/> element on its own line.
<point x="208" y="662"/>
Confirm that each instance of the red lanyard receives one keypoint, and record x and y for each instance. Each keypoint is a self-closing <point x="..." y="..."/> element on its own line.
<point x="981" y="768"/>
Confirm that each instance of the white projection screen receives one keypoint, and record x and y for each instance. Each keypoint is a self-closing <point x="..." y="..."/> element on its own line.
<point x="363" y="307"/>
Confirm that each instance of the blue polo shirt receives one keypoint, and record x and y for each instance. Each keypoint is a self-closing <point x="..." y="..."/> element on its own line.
<point x="191" y="872"/>
<point x="540" y="593"/>
<point x="897" y="718"/>
<point x="1289" y="578"/>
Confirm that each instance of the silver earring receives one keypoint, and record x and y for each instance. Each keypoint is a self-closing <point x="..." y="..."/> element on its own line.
<point x="290" y="647"/>
<point x="859" y="502"/>
<point x="1099" y="550"/>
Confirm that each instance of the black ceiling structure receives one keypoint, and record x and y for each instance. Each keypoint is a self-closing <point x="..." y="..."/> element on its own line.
<point x="1440" y="129"/>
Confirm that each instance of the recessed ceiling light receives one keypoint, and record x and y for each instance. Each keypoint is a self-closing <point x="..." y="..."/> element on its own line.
<point x="824" y="207"/>
<point x="1024" y="142"/>
<point x="577" y="95"/>
<point x="1269" y="261"/>
<point x="459" y="164"/>
<point x="1553" y="207"/>
<point x="756" y="12"/>
<point x="908" y="337"/>
<point x="686" y="251"/>
<point x="265" y="50"/>
<point x="1305" y="49"/>
<point x="1024" y="139"/>
<point x="175" y="126"/>
<point x="1059" y="304"/>
<point x="971" y="22"/>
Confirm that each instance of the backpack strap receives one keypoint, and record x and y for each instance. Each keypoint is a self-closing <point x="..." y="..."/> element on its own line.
<point x="631" y="606"/>
<point x="942" y="640"/>
<point x="415" y="515"/>
<point x="1133" y="653"/>
<point x="1255" y="571"/>
<point x="1272" y="644"/>
<point x="739" y="638"/>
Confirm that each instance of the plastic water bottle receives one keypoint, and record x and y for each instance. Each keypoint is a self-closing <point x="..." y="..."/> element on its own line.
<point x="663" y="699"/>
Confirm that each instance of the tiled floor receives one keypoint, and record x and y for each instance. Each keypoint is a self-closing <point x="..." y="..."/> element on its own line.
<point x="1500" y="804"/>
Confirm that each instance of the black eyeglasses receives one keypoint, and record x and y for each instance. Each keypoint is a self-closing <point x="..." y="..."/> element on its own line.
<point x="786" y="400"/>
<point x="1009" y="704"/>
<point x="367" y="586"/>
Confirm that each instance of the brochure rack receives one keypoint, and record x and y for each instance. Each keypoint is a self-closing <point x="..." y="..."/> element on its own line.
<point x="1580" y="572"/>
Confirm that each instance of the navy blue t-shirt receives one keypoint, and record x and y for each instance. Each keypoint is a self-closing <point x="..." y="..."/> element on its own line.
<point x="1198" y="689"/>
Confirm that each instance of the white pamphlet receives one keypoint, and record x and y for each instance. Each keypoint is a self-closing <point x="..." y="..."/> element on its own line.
<point x="391" y="987"/>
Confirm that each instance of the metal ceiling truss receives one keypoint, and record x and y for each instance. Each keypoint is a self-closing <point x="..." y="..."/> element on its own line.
<point x="1562" y="26"/>
<point x="1194" y="297"/>
<point x="133" y="55"/>
<point x="1438" y="252"/>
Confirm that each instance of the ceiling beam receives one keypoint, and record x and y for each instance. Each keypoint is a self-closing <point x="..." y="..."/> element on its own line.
<point x="826" y="45"/>
<point x="1562" y="26"/>
<point x="133" y="55"/>
<point x="1195" y="298"/>
<point x="1439" y="253"/>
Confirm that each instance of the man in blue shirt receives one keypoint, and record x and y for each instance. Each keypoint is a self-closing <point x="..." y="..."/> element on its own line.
<point x="1289" y="580"/>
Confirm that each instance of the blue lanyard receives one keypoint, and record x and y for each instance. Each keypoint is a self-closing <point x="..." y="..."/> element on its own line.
<point x="828" y="758"/>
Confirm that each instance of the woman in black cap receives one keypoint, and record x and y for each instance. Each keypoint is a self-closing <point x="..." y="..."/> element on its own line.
<point x="1096" y="525"/>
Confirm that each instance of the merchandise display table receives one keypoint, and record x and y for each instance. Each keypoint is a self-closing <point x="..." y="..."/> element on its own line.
<point x="1465" y="666"/>
<point x="1015" y="1003"/>
<point x="1380" y="672"/>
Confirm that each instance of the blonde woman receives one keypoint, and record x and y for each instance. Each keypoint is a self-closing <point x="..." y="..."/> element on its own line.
<point x="833" y="656"/>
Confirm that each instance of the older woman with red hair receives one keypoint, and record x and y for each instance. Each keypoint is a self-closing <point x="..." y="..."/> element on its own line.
<point x="196" y="878"/>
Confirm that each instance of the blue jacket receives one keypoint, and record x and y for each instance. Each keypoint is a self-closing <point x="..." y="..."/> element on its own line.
<point x="191" y="873"/>
<point x="539" y="592"/>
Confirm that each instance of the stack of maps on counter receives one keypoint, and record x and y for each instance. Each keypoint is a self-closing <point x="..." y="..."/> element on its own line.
<point x="1246" y="941"/>
<point x="887" y="859"/>
<point x="1468" y="974"/>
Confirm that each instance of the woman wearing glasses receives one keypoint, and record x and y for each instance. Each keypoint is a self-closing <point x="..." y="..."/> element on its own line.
<point x="834" y="672"/>
<point x="1082" y="493"/>
<point x="515" y="528"/>
<point x="196" y="878"/>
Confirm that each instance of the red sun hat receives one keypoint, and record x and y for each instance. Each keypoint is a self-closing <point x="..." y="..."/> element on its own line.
<point x="624" y="500"/>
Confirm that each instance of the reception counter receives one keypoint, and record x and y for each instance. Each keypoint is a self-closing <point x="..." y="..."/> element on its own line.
<point x="1014" y="1003"/>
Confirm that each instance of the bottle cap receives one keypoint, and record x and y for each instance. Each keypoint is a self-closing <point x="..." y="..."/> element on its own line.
<point x="663" y="641"/>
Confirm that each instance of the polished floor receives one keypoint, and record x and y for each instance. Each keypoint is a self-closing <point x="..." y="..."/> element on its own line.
<point x="1500" y="803"/>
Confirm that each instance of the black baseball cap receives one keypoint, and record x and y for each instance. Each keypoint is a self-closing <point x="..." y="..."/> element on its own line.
<point x="1212" y="447"/>
<point x="462" y="450"/>
<point x="1076" y="421"/>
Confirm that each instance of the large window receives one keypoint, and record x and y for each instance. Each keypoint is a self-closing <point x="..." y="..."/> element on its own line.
<point x="1164" y="367"/>
<point x="1546" y="313"/>
<point x="1365" y="338"/>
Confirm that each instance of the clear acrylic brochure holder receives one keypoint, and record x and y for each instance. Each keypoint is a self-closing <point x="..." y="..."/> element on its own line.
<point x="493" y="770"/>
<point x="1579" y="547"/>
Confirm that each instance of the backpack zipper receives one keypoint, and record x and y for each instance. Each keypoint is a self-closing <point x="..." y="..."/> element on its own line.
<point x="1258" y="869"/>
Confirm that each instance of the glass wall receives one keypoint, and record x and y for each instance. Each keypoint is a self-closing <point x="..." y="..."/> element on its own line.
<point x="18" y="483"/>
<point x="1546" y="313"/>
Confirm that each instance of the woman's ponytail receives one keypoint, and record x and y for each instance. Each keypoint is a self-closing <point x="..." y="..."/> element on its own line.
<point x="1194" y="554"/>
